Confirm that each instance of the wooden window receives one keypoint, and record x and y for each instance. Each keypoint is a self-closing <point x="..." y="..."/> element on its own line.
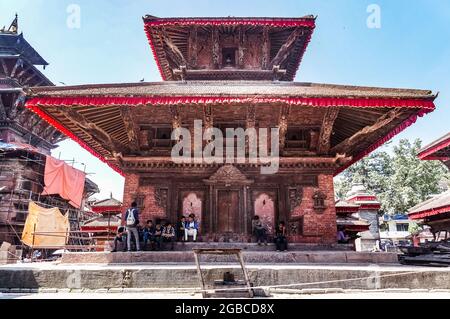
<point x="229" y="57"/>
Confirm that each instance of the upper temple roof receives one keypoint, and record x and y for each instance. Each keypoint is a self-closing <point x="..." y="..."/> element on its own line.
<point x="228" y="48"/>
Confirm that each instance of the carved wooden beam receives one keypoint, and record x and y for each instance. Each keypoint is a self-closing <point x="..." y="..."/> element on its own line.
<point x="251" y="116"/>
<point x="18" y="104"/>
<point x="208" y="119"/>
<point x="193" y="46"/>
<point x="91" y="129"/>
<point x="241" y="48"/>
<point x="131" y="127"/>
<point x="3" y="115"/>
<point x="48" y="132"/>
<point x="21" y="73"/>
<point x="28" y="79"/>
<point x="283" y="125"/>
<point x="215" y="48"/>
<point x="265" y="56"/>
<point x="329" y="118"/>
<point x="350" y="142"/>
<point x="173" y="52"/>
<point x="5" y="67"/>
<point x="283" y="52"/>
<point x="14" y="70"/>
<point x="180" y="73"/>
<point x="250" y="122"/>
<point x="176" y="117"/>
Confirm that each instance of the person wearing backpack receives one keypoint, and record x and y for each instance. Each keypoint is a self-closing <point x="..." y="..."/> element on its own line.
<point x="132" y="220"/>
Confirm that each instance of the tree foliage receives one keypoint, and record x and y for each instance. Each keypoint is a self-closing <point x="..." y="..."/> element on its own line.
<point x="398" y="178"/>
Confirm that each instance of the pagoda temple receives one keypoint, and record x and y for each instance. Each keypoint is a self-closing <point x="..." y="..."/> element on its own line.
<point x="231" y="73"/>
<point x="435" y="211"/>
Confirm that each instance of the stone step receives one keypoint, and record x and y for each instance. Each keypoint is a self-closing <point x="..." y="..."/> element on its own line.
<point x="121" y="278"/>
<point x="188" y="246"/>
<point x="251" y="257"/>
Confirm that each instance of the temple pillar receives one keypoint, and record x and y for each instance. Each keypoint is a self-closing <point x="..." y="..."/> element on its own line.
<point x="130" y="191"/>
<point x="327" y="220"/>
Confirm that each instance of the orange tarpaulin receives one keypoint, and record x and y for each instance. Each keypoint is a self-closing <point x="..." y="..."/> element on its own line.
<point x="49" y="226"/>
<point x="63" y="179"/>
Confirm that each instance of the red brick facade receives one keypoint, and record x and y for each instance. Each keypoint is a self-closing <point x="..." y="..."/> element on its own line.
<point x="318" y="224"/>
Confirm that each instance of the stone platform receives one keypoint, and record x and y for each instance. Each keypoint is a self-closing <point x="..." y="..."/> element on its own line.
<point x="118" y="278"/>
<point x="250" y="257"/>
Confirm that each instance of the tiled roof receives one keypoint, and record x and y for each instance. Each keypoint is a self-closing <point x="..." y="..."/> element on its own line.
<point x="231" y="88"/>
<point x="107" y="202"/>
<point x="16" y="44"/>
<point x="441" y="200"/>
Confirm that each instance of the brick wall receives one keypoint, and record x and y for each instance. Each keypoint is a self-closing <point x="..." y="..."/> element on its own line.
<point x="132" y="189"/>
<point x="319" y="226"/>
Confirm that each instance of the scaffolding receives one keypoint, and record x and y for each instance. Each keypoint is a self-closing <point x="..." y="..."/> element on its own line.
<point x="21" y="182"/>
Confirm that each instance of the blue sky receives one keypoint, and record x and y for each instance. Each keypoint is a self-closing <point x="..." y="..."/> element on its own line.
<point x="410" y="50"/>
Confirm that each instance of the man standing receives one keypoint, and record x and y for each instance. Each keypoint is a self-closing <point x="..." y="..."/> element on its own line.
<point x="132" y="220"/>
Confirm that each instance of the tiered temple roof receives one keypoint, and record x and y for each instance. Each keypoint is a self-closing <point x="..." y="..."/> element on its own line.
<point x="230" y="70"/>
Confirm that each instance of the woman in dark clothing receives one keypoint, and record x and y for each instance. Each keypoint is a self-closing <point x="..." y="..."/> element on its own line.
<point x="280" y="237"/>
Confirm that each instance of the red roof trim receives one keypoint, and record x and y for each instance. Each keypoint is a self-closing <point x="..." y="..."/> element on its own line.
<point x="34" y="104"/>
<point x="361" y="198"/>
<point x="273" y="22"/>
<point x="50" y="120"/>
<point x="294" y="22"/>
<point x="425" y="155"/>
<point x="155" y="55"/>
<point x="102" y="209"/>
<point x="346" y="210"/>
<point x="430" y="212"/>
<point x="408" y="122"/>
<point x="171" y="100"/>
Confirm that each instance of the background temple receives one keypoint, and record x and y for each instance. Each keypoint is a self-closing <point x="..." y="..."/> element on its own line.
<point x="25" y="138"/>
<point x="232" y="72"/>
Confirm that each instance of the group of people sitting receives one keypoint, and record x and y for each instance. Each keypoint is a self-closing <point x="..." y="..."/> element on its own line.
<point x="260" y="231"/>
<point x="154" y="234"/>
<point x="157" y="234"/>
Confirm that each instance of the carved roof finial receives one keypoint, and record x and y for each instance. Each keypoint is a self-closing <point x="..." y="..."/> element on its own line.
<point x="14" y="27"/>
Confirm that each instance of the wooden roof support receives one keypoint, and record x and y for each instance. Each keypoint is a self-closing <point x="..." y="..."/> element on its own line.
<point x="284" y="51"/>
<point x="384" y="120"/>
<point x="173" y="51"/>
<point x="265" y="48"/>
<point x="326" y="130"/>
<point x="91" y="129"/>
<point x="215" y="48"/>
<point x="193" y="46"/>
<point x="3" y="115"/>
<point x="5" y="67"/>
<point x="130" y="126"/>
<point x="283" y="125"/>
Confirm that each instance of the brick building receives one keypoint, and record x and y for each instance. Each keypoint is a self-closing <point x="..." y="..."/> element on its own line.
<point x="25" y="138"/>
<point x="232" y="73"/>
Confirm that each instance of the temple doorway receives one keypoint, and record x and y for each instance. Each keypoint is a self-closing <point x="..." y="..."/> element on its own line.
<point x="228" y="211"/>
<point x="192" y="204"/>
<point x="265" y="204"/>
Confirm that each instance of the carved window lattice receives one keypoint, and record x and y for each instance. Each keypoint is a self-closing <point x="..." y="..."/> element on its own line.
<point x="295" y="197"/>
<point x="319" y="200"/>
<point x="161" y="197"/>
<point x="295" y="226"/>
<point x="140" y="201"/>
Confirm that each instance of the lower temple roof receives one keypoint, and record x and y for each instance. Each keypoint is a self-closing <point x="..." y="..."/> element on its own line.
<point x="348" y="121"/>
